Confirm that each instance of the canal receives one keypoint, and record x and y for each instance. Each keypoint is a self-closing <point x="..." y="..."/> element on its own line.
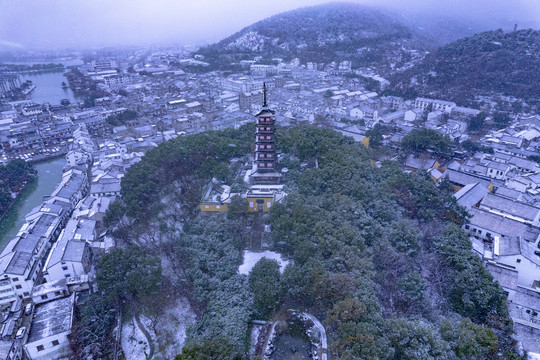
<point x="49" y="84"/>
<point x="49" y="176"/>
<point x="49" y="88"/>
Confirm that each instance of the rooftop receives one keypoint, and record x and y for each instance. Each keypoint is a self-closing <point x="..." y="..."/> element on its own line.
<point x="511" y="207"/>
<point x="502" y="225"/>
<point x="471" y="194"/>
<point x="51" y="318"/>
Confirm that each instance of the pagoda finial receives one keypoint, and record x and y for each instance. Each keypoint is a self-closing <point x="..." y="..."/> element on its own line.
<point x="264" y="95"/>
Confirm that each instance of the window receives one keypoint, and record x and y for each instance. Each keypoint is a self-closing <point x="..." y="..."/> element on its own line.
<point x="40" y="348"/>
<point x="64" y="267"/>
<point x="57" y="293"/>
<point x="251" y="204"/>
<point x="467" y="227"/>
<point x="218" y="207"/>
<point x="55" y="343"/>
<point x="18" y="287"/>
<point x="67" y="275"/>
<point x="26" y="293"/>
<point x="518" y="260"/>
<point x="206" y="206"/>
<point x="268" y="204"/>
<point x="44" y="297"/>
<point x="15" y="279"/>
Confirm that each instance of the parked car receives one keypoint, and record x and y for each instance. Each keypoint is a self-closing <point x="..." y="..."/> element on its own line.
<point x="28" y="309"/>
<point x="21" y="332"/>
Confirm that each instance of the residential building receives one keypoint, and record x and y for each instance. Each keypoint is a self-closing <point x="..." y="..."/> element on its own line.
<point x="51" y="326"/>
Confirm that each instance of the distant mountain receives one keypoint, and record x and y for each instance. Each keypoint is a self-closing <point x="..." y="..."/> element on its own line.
<point x="492" y="62"/>
<point x="323" y="33"/>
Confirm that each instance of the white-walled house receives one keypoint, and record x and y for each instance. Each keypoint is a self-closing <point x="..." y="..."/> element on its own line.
<point x="497" y="170"/>
<point x="424" y="103"/>
<point x="49" y="331"/>
<point x="512" y="209"/>
<point x="70" y="255"/>
<point x="413" y="115"/>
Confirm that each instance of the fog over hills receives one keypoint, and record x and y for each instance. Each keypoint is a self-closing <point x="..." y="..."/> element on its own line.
<point x="321" y="33"/>
<point x="82" y="24"/>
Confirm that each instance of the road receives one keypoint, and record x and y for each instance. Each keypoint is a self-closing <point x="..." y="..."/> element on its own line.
<point x="322" y="331"/>
<point x="147" y="335"/>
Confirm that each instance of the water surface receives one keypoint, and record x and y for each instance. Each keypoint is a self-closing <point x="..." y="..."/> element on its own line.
<point x="49" y="176"/>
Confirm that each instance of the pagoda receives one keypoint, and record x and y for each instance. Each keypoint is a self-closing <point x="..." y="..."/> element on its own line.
<point x="264" y="165"/>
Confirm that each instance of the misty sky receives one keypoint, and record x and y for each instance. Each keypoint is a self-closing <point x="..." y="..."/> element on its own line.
<point x="27" y="24"/>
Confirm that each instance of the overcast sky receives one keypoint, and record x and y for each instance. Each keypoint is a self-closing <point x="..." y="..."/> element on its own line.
<point x="97" y="23"/>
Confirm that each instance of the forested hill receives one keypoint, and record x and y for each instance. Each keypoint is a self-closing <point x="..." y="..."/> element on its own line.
<point x="492" y="62"/>
<point x="374" y="252"/>
<point x="324" y="33"/>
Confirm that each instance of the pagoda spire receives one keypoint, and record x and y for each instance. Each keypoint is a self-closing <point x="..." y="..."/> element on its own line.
<point x="264" y="95"/>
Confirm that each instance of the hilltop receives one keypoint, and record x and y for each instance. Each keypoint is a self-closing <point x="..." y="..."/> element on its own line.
<point x="323" y="33"/>
<point x="374" y="251"/>
<point x="492" y="62"/>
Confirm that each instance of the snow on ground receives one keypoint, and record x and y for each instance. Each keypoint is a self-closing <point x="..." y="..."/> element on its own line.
<point x="168" y="332"/>
<point x="322" y="333"/>
<point x="133" y="341"/>
<point x="251" y="258"/>
<point x="255" y="332"/>
<point x="171" y="329"/>
<point x="534" y="356"/>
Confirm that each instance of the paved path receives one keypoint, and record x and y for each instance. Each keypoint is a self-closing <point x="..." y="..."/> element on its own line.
<point x="147" y="335"/>
<point x="322" y="331"/>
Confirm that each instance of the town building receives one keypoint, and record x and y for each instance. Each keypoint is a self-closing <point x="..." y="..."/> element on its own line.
<point x="51" y="326"/>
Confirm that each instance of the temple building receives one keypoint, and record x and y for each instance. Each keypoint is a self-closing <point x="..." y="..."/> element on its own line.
<point x="264" y="181"/>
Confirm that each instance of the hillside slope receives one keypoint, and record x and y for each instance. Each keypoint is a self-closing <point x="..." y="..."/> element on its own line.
<point x="324" y="33"/>
<point x="492" y="62"/>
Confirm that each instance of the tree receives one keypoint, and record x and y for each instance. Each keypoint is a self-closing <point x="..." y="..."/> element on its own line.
<point x="468" y="340"/>
<point x="128" y="274"/>
<point x="375" y="136"/>
<point x="114" y="213"/>
<point x="122" y="118"/>
<point x="471" y="289"/>
<point x="411" y="288"/>
<point x="473" y="147"/>
<point x="91" y="335"/>
<point x="264" y="280"/>
<point x="238" y="208"/>
<point x="426" y="139"/>
<point x="476" y="122"/>
<point x="501" y="120"/>
<point x="214" y="349"/>
<point x="415" y="340"/>
<point x="65" y="102"/>
<point x="296" y="283"/>
<point x="405" y="238"/>
<point x="89" y="102"/>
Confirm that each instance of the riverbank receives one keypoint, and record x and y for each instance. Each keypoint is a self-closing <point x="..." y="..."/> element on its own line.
<point x="10" y="216"/>
<point x="49" y="175"/>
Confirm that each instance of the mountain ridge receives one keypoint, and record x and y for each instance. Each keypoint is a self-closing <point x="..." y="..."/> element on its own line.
<point x="491" y="62"/>
<point x="321" y="33"/>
